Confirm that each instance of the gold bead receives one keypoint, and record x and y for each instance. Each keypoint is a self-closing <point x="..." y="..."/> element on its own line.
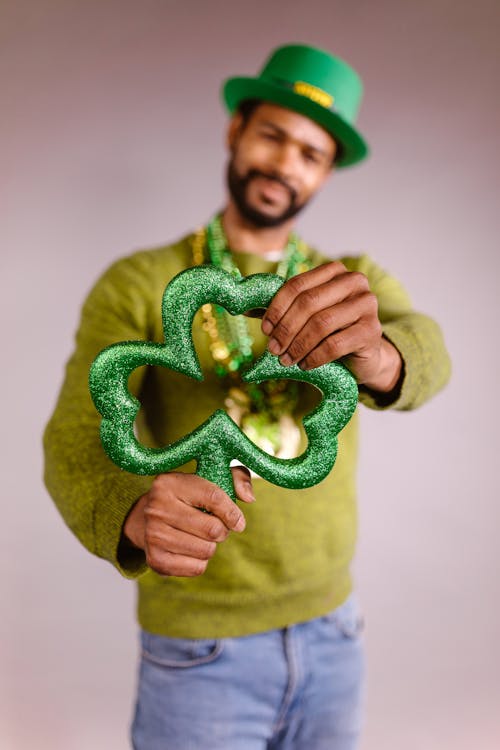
<point x="219" y="350"/>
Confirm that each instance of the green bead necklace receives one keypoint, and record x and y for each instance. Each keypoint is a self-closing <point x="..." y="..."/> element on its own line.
<point x="263" y="411"/>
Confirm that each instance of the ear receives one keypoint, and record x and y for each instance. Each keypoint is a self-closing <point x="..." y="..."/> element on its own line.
<point x="234" y="131"/>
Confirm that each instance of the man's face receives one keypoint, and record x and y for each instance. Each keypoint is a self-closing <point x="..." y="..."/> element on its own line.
<point x="279" y="160"/>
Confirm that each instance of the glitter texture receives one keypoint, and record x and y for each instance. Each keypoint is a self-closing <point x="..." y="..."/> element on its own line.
<point x="216" y="442"/>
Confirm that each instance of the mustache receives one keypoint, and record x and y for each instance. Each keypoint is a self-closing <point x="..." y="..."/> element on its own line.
<point x="274" y="177"/>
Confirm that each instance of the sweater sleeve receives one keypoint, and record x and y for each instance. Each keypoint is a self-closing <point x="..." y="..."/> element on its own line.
<point x="418" y="338"/>
<point x="92" y="494"/>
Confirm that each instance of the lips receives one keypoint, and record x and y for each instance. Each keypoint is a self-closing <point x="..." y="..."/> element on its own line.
<point x="271" y="190"/>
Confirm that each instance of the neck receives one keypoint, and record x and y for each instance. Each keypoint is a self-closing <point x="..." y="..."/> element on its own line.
<point x="243" y="236"/>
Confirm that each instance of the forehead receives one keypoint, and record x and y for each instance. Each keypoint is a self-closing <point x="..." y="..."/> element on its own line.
<point x="296" y="126"/>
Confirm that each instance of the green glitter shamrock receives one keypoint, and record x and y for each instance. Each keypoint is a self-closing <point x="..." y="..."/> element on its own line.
<point x="216" y="442"/>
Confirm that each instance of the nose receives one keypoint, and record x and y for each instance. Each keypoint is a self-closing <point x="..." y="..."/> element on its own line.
<point x="286" y="160"/>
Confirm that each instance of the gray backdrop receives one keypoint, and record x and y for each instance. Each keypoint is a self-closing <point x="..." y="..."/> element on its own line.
<point x="112" y="139"/>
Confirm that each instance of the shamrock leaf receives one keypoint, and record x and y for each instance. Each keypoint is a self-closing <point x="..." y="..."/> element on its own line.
<point x="216" y="442"/>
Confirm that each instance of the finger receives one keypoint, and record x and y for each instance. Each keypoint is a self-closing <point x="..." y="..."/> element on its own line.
<point x="170" y="539"/>
<point x="295" y="286"/>
<point x="243" y="484"/>
<point x="326" y="322"/>
<point x="182" y="516"/>
<point x="200" y="493"/>
<point x="169" y="564"/>
<point x="175" y="499"/>
<point x="334" y="347"/>
<point x="312" y="301"/>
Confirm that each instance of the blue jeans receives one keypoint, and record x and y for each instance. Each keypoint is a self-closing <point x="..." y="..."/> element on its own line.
<point x="299" y="688"/>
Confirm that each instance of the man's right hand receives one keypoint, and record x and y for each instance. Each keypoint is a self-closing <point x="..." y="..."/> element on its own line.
<point x="167" y="523"/>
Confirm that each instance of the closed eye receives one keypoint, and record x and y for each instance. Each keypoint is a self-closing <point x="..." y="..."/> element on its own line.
<point x="271" y="136"/>
<point x="311" y="157"/>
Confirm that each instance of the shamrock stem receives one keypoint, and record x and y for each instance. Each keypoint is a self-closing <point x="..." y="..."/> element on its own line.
<point x="216" y="469"/>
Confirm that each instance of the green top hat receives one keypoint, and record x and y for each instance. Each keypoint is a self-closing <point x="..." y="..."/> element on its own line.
<point x="313" y="83"/>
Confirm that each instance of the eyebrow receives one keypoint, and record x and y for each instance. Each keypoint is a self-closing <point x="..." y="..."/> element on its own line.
<point x="281" y="131"/>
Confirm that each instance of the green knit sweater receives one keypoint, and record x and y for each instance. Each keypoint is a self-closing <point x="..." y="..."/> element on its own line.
<point x="292" y="561"/>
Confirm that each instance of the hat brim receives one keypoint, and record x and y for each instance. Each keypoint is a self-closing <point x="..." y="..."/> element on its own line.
<point x="352" y="145"/>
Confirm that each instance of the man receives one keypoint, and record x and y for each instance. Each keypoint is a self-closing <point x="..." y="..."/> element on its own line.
<point x="250" y="636"/>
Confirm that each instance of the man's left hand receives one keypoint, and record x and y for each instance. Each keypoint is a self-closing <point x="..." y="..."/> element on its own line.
<point x="329" y="313"/>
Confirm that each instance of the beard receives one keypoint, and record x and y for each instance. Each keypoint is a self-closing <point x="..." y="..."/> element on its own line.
<point x="238" y="186"/>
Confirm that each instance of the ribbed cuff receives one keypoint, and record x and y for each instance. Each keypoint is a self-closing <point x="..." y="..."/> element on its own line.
<point x="109" y="518"/>
<point x="402" y="396"/>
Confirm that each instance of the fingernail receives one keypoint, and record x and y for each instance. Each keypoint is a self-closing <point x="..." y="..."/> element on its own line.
<point x="274" y="346"/>
<point x="250" y="494"/>
<point x="267" y="327"/>
<point x="286" y="359"/>
<point x="240" y="525"/>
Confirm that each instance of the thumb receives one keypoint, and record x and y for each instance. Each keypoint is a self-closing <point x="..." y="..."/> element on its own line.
<point x="243" y="484"/>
